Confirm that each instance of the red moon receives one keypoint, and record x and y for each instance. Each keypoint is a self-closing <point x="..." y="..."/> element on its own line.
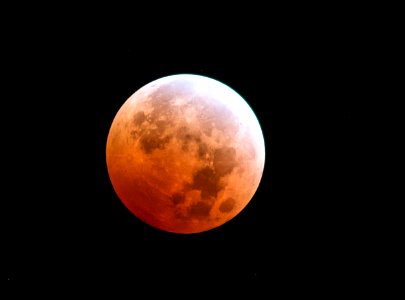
<point x="185" y="153"/>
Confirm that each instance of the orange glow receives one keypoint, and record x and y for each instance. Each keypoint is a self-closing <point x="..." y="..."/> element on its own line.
<point x="185" y="153"/>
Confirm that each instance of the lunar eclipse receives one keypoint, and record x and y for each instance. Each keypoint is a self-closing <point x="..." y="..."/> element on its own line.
<point x="185" y="153"/>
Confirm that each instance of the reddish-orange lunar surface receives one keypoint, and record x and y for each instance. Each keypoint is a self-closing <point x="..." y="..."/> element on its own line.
<point x="185" y="153"/>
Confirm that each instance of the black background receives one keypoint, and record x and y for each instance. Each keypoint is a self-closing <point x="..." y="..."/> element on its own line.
<point x="302" y="76"/>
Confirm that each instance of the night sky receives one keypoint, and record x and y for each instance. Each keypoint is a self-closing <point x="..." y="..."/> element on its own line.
<point x="64" y="222"/>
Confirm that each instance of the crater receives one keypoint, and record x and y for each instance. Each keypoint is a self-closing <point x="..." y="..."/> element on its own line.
<point x="224" y="160"/>
<point x="227" y="205"/>
<point x="154" y="140"/>
<point x="207" y="181"/>
<point x="139" y="118"/>
<point x="186" y="136"/>
<point x="200" y="209"/>
<point x="177" y="198"/>
<point x="162" y="124"/>
<point x="202" y="150"/>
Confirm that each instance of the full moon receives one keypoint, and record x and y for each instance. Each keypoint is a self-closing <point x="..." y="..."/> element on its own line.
<point x="185" y="153"/>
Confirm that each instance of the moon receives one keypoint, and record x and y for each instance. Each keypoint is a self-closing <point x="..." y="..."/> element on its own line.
<point x="185" y="153"/>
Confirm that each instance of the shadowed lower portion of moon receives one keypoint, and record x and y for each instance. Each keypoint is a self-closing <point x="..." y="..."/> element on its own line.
<point x="181" y="158"/>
